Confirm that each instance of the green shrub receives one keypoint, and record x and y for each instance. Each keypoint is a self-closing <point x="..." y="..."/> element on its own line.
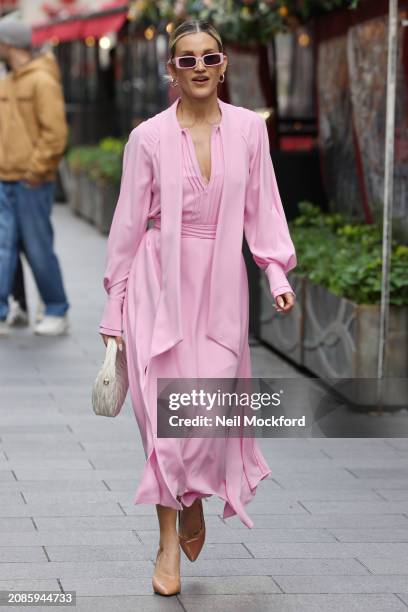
<point x="82" y="157"/>
<point x="113" y="145"/>
<point x="345" y="256"/>
<point x="101" y="162"/>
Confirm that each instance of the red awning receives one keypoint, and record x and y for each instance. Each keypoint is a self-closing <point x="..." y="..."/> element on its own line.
<point x="81" y="26"/>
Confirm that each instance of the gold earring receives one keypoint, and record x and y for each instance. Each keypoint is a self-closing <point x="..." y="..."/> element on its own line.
<point x="174" y="82"/>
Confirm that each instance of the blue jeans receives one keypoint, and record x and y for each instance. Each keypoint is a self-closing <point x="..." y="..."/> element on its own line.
<point x="25" y="218"/>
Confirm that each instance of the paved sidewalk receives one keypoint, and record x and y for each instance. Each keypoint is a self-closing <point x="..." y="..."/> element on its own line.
<point x="331" y="524"/>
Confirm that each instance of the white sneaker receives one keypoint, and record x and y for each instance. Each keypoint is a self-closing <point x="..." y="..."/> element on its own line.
<point x="51" y="325"/>
<point x="40" y="310"/>
<point x="17" y="317"/>
<point x="5" y="330"/>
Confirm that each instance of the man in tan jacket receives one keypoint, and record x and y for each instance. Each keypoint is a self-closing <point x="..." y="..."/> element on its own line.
<point x="33" y="135"/>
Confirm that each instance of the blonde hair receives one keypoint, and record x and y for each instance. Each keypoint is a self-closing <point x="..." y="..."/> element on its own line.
<point x="190" y="27"/>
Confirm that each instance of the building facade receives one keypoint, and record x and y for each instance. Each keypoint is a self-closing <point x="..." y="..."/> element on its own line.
<point x="37" y="11"/>
<point x="7" y="6"/>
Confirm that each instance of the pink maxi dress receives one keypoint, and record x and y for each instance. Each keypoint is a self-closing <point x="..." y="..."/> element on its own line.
<point x="182" y="469"/>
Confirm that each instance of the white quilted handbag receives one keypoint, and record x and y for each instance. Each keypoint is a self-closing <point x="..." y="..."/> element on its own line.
<point x="112" y="383"/>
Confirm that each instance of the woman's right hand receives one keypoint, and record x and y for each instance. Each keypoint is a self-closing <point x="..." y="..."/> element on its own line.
<point x="119" y="340"/>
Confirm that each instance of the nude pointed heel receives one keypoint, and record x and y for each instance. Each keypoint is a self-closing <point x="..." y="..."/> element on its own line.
<point x="192" y="535"/>
<point x="164" y="583"/>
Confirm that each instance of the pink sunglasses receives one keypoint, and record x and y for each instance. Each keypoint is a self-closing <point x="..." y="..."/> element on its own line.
<point x="190" y="61"/>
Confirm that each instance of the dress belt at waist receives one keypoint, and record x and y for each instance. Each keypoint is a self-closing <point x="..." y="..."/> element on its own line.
<point x="198" y="230"/>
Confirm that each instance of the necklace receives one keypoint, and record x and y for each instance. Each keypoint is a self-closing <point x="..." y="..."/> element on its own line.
<point x="190" y="126"/>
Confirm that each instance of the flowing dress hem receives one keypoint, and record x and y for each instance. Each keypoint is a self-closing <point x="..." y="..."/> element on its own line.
<point x="153" y="489"/>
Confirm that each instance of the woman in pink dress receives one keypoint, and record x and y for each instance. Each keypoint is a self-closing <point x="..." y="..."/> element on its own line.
<point x="178" y="290"/>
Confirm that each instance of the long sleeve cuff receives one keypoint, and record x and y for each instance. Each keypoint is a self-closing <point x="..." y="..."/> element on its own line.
<point x="109" y="332"/>
<point x="278" y="283"/>
<point x="112" y="317"/>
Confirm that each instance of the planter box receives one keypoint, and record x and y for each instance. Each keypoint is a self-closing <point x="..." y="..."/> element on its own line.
<point x="341" y="341"/>
<point x="87" y="197"/>
<point x="108" y="194"/>
<point x="75" y="191"/>
<point x="341" y="337"/>
<point x="94" y="201"/>
<point x="283" y="333"/>
<point x="334" y="337"/>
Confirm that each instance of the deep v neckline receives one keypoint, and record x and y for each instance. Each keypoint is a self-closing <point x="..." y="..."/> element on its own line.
<point x="193" y="151"/>
<point x="203" y="180"/>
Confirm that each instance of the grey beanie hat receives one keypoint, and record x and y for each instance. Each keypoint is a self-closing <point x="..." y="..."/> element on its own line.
<point x="15" y="32"/>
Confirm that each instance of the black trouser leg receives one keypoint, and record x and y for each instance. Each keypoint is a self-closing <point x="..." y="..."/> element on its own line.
<point x="18" y="291"/>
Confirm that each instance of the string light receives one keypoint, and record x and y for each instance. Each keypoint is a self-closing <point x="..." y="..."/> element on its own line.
<point x="304" y="39"/>
<point x="149" y="33"/>
<point x="105" y="42"/>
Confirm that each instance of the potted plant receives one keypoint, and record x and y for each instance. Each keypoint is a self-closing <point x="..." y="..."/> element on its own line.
<point x="81" y="160"/>
<point x="107" y="176"/>
<point x="96" y="174"/>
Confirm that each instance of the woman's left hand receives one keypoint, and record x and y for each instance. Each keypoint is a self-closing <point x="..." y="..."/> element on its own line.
<point x="284" y="302"/>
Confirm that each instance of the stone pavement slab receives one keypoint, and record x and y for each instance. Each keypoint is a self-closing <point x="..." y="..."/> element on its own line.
<point x="293" y="603"/>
